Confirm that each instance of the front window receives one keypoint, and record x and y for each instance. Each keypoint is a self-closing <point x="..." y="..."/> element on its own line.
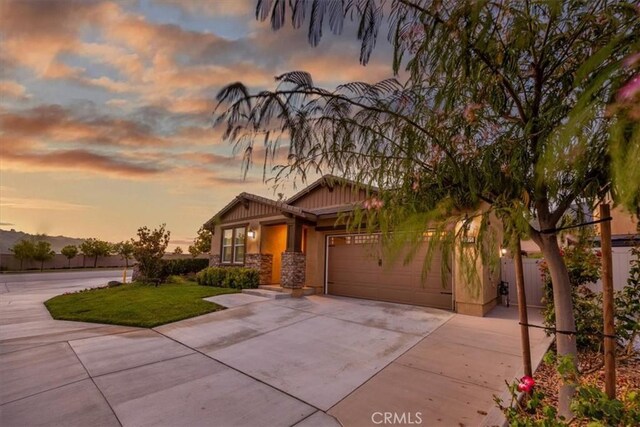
<point x="227" y="245"/>
<point x="238" y="245"/>
<point x="233" y="245"/>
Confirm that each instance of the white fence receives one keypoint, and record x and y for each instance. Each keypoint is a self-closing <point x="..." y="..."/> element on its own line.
<point x="533" y="281"/>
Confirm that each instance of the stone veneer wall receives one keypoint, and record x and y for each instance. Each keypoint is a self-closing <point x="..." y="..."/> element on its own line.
<point x="293" y="270"/>
<point x="214" y="261"/>
<point x="261" y="262"/>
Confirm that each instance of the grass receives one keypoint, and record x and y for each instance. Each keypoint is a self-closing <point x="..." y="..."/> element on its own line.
<point x="137" y="304"/>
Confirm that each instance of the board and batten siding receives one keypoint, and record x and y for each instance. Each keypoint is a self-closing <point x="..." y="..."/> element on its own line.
<point x="326" y="196"/>
<point x="250" y="209"/>
<point x="533" y="281"/>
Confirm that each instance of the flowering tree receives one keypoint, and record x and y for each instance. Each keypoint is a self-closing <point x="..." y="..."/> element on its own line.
<point x="504" y="104"/>
<point x="148" y="250"/>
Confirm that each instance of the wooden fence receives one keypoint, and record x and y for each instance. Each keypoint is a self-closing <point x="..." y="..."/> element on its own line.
<point x="533" y="280"/>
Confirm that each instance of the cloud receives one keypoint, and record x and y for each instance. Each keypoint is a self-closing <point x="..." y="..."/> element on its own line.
<point x="32" y="203"/>
<point x="59" y="124"/>
<point x="77" y="160"/>
<point x="35" y="33"/>
<point x="13" y="90"/>
<point x="214" y="8"/>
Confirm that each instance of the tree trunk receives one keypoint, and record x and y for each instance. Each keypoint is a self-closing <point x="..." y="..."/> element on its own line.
<point x="41" y="265"/>
<point x="69" y="259"/>
<point x="565" y="321"/>
<point x="95" y="261"/>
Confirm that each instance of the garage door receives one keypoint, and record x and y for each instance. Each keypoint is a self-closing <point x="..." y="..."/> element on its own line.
<point x="356" y="268"/>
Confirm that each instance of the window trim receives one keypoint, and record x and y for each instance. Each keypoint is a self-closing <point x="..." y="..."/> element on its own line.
<point x="233" y="229"/>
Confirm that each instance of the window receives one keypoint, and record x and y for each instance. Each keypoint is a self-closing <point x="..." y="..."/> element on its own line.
<point x="233" y="242"/>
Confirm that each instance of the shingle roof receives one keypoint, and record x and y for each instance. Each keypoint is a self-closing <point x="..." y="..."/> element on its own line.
<point x="282" y="206"/>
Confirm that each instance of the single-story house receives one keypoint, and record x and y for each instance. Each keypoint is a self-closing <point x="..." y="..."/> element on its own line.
<point x="298" y="247"/>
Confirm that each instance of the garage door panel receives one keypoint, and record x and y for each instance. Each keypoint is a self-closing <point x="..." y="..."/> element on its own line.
<point x="356" y="268"/>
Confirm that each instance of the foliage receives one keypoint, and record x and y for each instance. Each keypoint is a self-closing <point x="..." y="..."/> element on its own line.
<point x="23" y="250"/>
<point x="202" y="243"/>
<point x="504" y="103"/>
<point x="136" y="304"/>
<point x="70" y="252"/>
<point x="229" y="277"/>
<point x="584" y="268"/>
<point x="178" y="251"/>
<point x="590" y="405"/>
<point x="627" y="305"/>
<point x="181" y="267"/>
<point x="42" y="252"/>
<point x="94" y="248"/>
<point x="125" y="250"/>
<point x="149" y="249"/>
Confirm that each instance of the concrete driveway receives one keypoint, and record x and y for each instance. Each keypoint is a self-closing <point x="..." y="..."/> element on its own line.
<point x="316" y="361"/>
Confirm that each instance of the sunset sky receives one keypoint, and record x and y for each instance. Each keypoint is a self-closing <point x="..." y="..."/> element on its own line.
<point x="105" y="109"/>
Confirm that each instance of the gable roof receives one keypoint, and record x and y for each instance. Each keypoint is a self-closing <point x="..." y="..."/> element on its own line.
<point x="244" y="197"/>
<point x="328" y="181"/>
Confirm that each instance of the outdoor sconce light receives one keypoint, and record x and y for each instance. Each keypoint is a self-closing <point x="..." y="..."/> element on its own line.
<point x="251" y="234"/>
<point x="503" y="251"/>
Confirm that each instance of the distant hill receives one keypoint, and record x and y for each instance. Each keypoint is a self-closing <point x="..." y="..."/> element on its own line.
<point x="9" y="237"/>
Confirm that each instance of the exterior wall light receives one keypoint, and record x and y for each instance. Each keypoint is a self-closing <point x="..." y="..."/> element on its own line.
<point x="503" y="251"/>
<point x="251" y="234"/>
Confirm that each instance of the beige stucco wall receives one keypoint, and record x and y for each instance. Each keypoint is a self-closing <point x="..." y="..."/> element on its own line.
<point x="253" y="245"/>
<point x="315" y="253"/>
<point x="623" y="222"/>
<point x="273" y="240"/>
<point x="477" y="295"/>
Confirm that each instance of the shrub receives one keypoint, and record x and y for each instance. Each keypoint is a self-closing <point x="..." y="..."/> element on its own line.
<point x="229" y="277"/>
<point x="584" y="268"/>
<point x="627" y="302"/>
<point x="182" y="267"/>
<point x="590" y="405"/>
<point x="149" y="249"/>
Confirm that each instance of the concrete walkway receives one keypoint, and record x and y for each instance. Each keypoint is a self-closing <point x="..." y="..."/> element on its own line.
<point x="315" y="361"/>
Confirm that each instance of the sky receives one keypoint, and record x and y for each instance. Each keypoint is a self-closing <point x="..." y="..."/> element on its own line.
<point x="106" y="109"/>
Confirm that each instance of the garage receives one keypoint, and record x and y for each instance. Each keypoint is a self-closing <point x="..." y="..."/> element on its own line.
<point x="357" y="268"/>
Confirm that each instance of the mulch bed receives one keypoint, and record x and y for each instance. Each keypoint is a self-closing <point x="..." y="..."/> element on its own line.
<point x="592" y="372"/>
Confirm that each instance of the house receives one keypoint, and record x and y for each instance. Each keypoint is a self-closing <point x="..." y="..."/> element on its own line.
<point x="298" y="247"/>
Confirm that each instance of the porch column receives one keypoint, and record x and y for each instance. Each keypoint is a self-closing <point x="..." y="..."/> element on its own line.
<point x="292" y="274"/>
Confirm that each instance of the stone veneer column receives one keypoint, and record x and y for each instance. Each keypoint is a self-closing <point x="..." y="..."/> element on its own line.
<point x="293" y="270"/>
<point x="261" y="262"/>
<point x="214" y="261"/>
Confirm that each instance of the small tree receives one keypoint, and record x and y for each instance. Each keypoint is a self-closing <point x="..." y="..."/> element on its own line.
<point x="125" y="250"/>
<point x="42" y="252"/>
<point x="70" y="252"/>
<point x="178" y="251"/>
<point x="95" y="248"/>
<point x="149" y="249"/>
<point x="23" y="250"/>
<point x="202" y="243"/>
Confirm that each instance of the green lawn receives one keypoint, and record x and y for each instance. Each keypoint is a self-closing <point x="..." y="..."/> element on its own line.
<point x="137" y="304"/>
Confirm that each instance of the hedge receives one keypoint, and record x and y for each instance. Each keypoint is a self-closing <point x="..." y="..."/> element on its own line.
<point x="229" y="277"/>
<point x="181" y="267"/>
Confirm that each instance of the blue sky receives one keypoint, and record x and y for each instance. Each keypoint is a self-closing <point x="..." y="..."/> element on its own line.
<point x="105" y="109"/>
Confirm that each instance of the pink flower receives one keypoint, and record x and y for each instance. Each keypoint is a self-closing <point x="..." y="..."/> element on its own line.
<point x="632" y="60"/>
<point x="470" y="112"/>
<point x="629" y="90"/>
<point x="526" y="384"/>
